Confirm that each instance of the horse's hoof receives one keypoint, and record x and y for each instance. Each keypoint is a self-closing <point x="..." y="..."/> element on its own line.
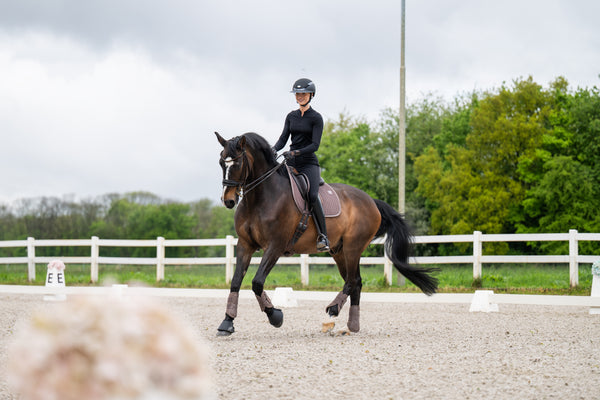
<point x="226" y="328"/>
<point x="333" y="311"/>
<point x="275" y="316"/>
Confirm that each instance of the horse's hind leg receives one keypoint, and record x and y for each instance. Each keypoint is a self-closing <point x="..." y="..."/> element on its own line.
<point x="354" y="281"/>
<point x="354" y="314"/>
<point x="333" y="309"/>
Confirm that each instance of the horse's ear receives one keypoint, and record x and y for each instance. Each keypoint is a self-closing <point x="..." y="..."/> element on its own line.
<point x="242" y="142"/>
<point x="221" y="139"/>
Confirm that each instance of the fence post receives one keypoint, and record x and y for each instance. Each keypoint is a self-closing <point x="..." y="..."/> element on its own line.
<point x="95" y="250"/>
<point x="229" y="259"/>
<point x="573" y="254"/>
<point x="31" y="259"/>
<point x="477" y="252"/>
<point x="304" y="263"/>
<point x="160" y="258"/>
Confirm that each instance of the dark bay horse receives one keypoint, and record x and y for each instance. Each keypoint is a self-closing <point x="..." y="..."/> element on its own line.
<point x="266" y="218"/>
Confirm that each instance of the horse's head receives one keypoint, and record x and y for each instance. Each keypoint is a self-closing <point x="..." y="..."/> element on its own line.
<point x="236" y="165"/>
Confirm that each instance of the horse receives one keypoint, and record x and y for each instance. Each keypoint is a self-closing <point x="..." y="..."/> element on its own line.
<point x="266" y="218"/>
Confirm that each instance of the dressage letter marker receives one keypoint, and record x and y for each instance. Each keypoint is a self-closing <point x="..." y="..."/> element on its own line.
<point x="55" y="279"/>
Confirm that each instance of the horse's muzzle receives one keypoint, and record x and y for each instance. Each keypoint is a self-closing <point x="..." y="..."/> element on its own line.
<point x="228" y="203"/>
<point x="230" y="196"/>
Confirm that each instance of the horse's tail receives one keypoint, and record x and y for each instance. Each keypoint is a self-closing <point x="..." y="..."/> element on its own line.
<point x="397" y="246"/>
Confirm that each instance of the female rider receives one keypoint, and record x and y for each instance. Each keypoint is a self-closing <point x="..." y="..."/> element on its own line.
<point x="305" y="126"/>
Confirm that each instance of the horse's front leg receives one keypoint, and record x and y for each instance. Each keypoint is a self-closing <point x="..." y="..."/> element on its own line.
<point x="244" y="255"/>
<point x="267" y="263"/>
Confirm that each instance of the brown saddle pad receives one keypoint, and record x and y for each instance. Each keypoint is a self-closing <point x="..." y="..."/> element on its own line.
<point x="329" y="198"/>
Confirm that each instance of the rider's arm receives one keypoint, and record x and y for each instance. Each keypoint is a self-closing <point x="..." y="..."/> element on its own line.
<point x="284" y="135"/>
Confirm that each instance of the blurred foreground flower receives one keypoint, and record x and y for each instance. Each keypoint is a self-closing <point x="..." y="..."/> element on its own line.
<point x="106" y="348"/>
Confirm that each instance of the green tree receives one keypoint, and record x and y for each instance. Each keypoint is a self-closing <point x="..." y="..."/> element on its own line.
<point x="344" y="153"/>
<point x="564" y="172"/>
<point x="477" y="186"/>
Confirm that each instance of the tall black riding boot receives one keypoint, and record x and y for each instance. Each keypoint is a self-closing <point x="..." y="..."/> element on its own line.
<point x="319" y="218"/>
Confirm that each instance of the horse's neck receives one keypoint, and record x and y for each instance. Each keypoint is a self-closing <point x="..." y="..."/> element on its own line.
<point x="259" y="169"/>
<point x="269" y="190"/>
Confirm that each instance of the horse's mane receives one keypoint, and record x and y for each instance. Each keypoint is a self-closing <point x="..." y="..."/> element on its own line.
<point x="259" y="144"/>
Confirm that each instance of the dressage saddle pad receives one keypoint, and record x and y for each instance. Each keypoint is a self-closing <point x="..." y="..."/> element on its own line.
<point x="329" y="198"/>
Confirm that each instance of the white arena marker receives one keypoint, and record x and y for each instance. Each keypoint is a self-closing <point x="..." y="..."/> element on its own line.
<point x="55" y="280"/>
<point x="284" y="297"/>
<point x="481" y="302"/>
<point x="118" y="290"/>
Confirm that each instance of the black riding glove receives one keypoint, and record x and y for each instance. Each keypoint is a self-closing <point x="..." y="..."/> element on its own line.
<point x="274" y="152"/>
<point x="288" y="155"/>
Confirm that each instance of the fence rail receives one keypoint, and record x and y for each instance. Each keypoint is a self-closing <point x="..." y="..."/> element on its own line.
<point x="477" y="259"/>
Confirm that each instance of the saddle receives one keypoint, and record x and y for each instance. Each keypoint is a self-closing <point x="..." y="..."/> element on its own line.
<point x="300" y="186"/>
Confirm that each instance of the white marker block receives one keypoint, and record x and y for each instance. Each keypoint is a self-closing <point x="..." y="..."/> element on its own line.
<point x="284" y="297"/>
<point x="482" y="302"/>
<point x="595" y="292"/>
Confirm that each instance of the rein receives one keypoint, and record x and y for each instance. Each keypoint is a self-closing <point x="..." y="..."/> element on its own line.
<point x="261" y="179"/>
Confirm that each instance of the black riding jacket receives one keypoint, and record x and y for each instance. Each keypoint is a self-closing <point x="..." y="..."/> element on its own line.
<point x="306" y="132"/>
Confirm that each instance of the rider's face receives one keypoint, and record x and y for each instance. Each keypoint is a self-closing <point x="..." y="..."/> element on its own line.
<point x="302" y="98"/>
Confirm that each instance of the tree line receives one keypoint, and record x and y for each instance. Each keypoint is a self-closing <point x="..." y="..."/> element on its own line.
<point x="135" y="215"/>
<point x="521" y="158"/>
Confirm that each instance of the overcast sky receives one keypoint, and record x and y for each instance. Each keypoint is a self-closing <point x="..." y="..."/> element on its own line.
<point x="122" y="95"/>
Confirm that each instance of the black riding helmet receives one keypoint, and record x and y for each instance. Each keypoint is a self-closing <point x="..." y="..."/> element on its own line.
<point x="304" y="85"/>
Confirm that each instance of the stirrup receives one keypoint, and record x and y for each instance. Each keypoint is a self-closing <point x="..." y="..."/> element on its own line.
<point x="322" y="243"/>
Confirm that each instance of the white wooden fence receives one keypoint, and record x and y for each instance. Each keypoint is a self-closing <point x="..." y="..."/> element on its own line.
<point x="477" y="259"/>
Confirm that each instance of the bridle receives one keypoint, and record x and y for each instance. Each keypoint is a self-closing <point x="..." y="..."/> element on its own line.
<point x="231" y="161"/>
<point x="243" y="187"/>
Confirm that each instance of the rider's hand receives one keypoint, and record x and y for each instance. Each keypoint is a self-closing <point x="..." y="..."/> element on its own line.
<point x="274" y="152"/>
<point x="288" y="155"/>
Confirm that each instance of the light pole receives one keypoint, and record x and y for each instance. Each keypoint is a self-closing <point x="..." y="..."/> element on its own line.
<point x="402" y="124"/>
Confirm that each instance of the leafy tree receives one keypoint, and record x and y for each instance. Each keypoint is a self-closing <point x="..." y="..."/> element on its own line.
<point x="344" y="153"/>
<point x="564" y="199"/>
<point x="456" y="123"/>
<point x="564" y="173"/>
<point x="584" y="124"/>
<point x="476" y="186"/>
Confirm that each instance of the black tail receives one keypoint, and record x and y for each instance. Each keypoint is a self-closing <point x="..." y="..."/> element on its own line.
<point x="397" y="246"/>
